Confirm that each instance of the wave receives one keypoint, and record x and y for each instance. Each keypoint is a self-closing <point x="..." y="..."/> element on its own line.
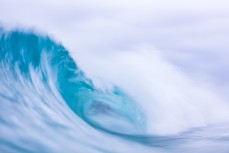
<point x="24" y="55"/>
<point x="38" y="73"/>
<point x="48" y="104"/>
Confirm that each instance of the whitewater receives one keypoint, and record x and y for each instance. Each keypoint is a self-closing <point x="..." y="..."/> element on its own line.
<point x="130" y="101"/>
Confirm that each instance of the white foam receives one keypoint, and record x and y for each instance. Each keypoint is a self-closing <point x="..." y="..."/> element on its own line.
<point x="171" y="100"/>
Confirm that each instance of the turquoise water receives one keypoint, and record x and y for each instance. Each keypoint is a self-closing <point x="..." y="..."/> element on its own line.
<point x="47" y="104"/>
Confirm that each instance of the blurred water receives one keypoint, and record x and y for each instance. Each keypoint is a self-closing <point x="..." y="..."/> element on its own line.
<point x="47" y="104"/>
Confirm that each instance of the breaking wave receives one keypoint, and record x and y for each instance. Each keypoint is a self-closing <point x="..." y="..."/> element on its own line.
<point x="48" y="104"/>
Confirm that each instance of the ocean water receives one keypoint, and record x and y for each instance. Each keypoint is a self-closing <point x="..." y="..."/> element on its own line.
<point x="49" y="104"/>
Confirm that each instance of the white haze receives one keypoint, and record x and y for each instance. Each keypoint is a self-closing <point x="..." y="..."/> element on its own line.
<point x="171" y="100"/>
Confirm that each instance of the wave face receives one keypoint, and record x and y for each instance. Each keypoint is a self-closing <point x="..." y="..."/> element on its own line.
<point x="47" y="104"/>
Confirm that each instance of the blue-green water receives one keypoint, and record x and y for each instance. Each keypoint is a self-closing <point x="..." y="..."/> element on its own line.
<point x="47" y="104"/>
